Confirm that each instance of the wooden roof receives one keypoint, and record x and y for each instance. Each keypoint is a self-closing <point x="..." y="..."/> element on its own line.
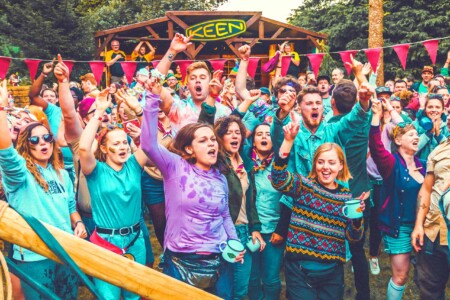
<point x="260" y="30"/>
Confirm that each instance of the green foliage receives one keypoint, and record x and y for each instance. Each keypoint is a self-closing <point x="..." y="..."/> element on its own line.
<point x="405" y="21"/>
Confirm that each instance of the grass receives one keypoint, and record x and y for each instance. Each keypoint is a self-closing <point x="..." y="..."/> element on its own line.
<point x="378" y="283"/>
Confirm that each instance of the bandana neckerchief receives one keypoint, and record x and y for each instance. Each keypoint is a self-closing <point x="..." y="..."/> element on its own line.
<point x="165" y="132"/>
<point x="260" y="165"/>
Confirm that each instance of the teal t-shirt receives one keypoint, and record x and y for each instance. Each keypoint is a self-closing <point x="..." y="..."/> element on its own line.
<point x="116" y="195"/>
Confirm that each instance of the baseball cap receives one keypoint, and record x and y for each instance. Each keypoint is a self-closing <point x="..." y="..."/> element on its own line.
<point x="84" y="106"/>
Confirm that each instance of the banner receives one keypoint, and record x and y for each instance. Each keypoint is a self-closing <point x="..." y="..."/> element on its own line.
<point x="33" y="65"/>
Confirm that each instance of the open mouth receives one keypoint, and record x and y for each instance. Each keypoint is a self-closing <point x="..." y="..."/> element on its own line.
<point x="315" y="115"/>
<point x="212" y="152"/>
<point x="198" y="89"/>
<point x="123" y="154"/>
<point x="415" y="143"/>
<point x="16" y="129"/>
<point x="264" y="143"/>
<point x="234" y="144"/>
<point x="44" y="150"/>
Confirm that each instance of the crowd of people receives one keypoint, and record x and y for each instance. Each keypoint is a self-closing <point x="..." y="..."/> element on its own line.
<point x="238" y="180"/>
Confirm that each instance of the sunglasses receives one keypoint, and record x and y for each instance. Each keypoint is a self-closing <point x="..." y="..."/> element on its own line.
<point x="108" y="111"/>
<point x="112" y="127"/>
<point x="283" y="91"/>
<point x="34" y="140"/>
<point x="435" y="96"/>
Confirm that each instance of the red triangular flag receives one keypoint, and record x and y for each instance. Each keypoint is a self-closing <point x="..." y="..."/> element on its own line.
<point x="183" y="64"/>
<point x="32" y="65"/>
<point x="252" y="66"/>
<point x="316" y="61"/>
<point x="4" y="66"/>
<point x="218" y="64"/>
<point x="373" y="55"/>
<point x="155" y="63"/>
<point x="285" y="62"/>
<point x="432" y="47"/>
<point x="97" y="69"/>
<point x="345" y="56"/>
<point x="129" y="67"/>
<point x="402" y="53"/>
<point x="69" y="64"/>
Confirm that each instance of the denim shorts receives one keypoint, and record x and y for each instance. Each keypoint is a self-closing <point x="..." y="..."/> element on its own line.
<point x="400" y="244"/>
<point x="152" y="189"/>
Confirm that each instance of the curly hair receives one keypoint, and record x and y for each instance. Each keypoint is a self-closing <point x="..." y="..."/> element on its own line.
<point x="24" y="149"/>
<point x="287" y="80"/>
<point x="405" y="97"/>
<point x="221" y="128"/>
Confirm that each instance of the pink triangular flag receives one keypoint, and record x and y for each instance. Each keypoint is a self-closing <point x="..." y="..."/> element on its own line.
<point x="33" y="65"/>
<point x="218" y="64"/>
<point x="373" y="56"/>
<point x="97" y="69"/>
<point x="432" y="48"/>
<point x="285" y="62"/>
<point x="155" y="63"/>
<point x="183" y="64"/>
<point x="69" y="64"/>
<point x="402" y="53"/>
<point x="316" y="61"/>
<point x="4" y="66"/>
<point x="129" y="67"/>
<point x="345" y="56"/>
<point x="252" y="66"/>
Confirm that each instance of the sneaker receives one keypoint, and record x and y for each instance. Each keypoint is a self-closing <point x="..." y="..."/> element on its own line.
<point x="374" y="266"/>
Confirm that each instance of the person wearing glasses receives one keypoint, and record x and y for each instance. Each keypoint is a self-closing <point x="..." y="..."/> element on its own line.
<point x="36" y="184"/>
<point x="431" y="124"/>
<point x="113" y="58"/>
<point x="113" y="177"/>
<point x="403" y="174"/>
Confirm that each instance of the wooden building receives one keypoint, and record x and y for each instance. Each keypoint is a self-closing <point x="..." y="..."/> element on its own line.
<point x="263" y="34"/>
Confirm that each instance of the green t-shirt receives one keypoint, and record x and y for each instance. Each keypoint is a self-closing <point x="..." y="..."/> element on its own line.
<point x="116" y="195"/>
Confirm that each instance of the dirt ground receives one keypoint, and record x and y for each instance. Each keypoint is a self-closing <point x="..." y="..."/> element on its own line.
<point x="378" y="283"/>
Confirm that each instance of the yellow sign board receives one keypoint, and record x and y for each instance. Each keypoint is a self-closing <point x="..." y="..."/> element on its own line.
<point x="215" y="30"/>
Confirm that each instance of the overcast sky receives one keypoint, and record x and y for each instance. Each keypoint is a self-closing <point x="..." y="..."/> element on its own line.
<point x="274" y="9"/>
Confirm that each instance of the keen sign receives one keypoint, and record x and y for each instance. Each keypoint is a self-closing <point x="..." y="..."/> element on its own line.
<point x="216" y="30"/>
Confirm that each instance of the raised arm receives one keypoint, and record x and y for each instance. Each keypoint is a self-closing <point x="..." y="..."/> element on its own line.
<point x="72" y="124"/>
<point x="5" y="138"/>
<point x="241" y="77"/>
<point x="282" y="180"/>
<point x="87" y="158"/>
<point x="159" y="155"/>
<point x="36" y="86"/>
<point x="383" y="159"/>
<point x="178" y="44"/>
<point x="151" y="53"/>
<point x="136" y="49"/>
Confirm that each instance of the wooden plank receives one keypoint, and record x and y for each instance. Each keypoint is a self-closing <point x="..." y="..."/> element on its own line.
<point x="277" y="33"/>
<point x="131" y="26"/>
<point x="253" y="42"/>
<point x="152" y="32"/>
<point x="103" y="46"/>
<point x="261" y="29"/>
<point x="141" y="38"/>
<point x="198" y="49"/>
<point x="232" y="48"/>
<point x="99" y="262"/>
<point x="313" y="40"/>
<point x="284" y="39"/>
<point x="170" y="29"/>
<point x="177" y="20"/>
<point x="253" y="19"/>
<point x="296" y="28"/>
<point x="213" y="13"/>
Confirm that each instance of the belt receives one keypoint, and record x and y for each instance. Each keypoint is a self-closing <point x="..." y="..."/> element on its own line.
<point x="122" y="231"/>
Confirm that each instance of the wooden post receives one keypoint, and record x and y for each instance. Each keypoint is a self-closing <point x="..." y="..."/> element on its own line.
<point x="376" y="15"/>
<point x="100" y="263"/>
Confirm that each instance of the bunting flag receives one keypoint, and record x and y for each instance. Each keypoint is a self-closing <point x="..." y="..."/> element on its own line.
<point x="129" y="68"/>
<point x="183" y="64"/>
<point x="285" y="62"/>
<point x="252" y="66"/>
<point x="402" y="53"/>
<point x="97" y="70"/>
<point x="345" y="56"/>
<point x="218" y="64"/>
<point x="4" y="66"/>
<point x="155" y="63"/>
<point x="32" y="65"/>
<point x="69" y="64"/>
<point x="315" y="60"/>
<point x="432" y="47"/>
<point x="373" y="56"/>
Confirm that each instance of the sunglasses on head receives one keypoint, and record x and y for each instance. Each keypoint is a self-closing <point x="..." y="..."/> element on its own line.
<point x="108" y="111"/>
<point x="283" y="91"/>
<point x="403" y="124"/>
<point x="435" y="96"/>
<point x="112" y="127"/>
<point x="34" y="140"/>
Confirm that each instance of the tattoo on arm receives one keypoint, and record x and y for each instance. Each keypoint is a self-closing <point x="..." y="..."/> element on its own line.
<point x="422" y="205"/>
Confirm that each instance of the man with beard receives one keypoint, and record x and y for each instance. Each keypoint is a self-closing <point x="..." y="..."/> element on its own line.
<point x="186" y="112"/>
<point x="427" y="75"/>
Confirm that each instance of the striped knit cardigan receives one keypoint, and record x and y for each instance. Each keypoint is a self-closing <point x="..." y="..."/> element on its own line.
<point x="317" y="228"/>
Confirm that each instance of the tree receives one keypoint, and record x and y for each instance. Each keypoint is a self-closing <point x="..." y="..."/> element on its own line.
<point x="346" y="23"/>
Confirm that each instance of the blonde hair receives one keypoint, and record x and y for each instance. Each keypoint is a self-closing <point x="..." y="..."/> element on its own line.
<point x="38" y="112"/>
<point x="197" y="65"/>
<point x="23" y="148"/>
<point x="399" y="131"/>
<point x="344" y="174"/>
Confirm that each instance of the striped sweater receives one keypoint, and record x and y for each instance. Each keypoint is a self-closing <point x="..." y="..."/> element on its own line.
<point x="317" y="228"/>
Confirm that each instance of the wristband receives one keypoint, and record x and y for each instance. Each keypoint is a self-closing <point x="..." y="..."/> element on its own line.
<point x="214" y="95"/>
<point x="62" y="81"/>
<point x="244" y="59"/>
<point x="3" y="108"/>
<point x="79" y="221"/>
<point x="139" y="114"/>
<point x="45" y="75"/>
